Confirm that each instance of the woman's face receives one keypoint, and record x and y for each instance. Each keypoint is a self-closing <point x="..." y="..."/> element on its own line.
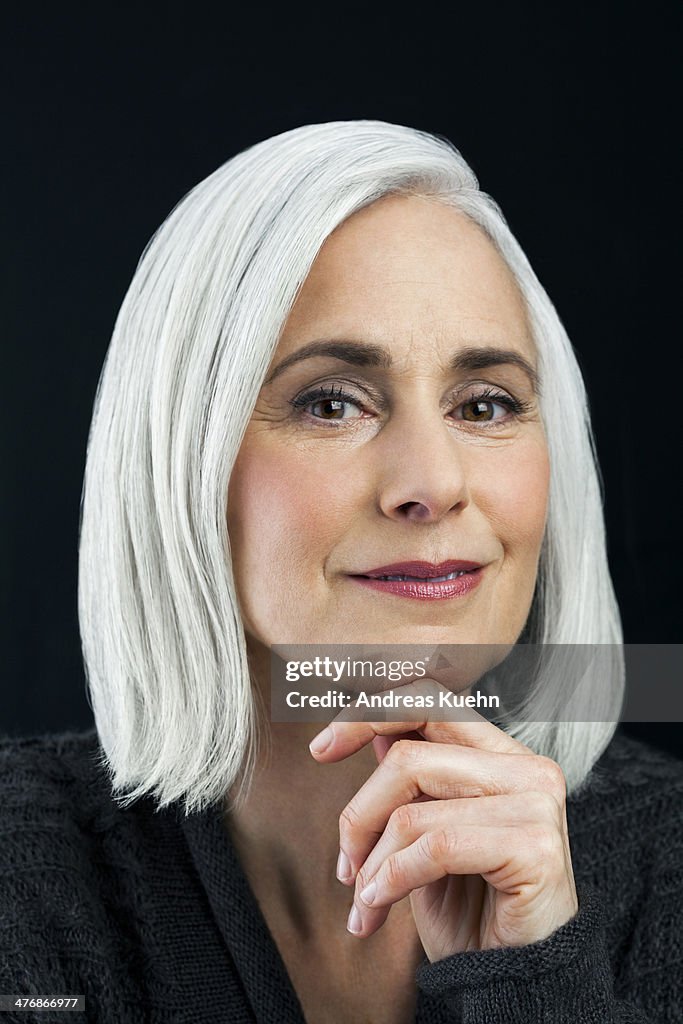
<point x="417" y="439"/>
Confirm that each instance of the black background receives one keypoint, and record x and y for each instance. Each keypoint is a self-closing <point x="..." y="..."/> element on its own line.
<point x="567" y="115"/>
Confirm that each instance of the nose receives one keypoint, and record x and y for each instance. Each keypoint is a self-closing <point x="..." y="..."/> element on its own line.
<point x="423" y="473"/>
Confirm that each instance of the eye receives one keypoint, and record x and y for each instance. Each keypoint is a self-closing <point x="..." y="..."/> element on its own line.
<point x="331" y="404"/>
<point x="481" y="408"/>
<point x="330" y="400"/>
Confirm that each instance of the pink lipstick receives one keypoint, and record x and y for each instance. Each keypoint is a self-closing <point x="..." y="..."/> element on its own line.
<point x="423" y="581"/>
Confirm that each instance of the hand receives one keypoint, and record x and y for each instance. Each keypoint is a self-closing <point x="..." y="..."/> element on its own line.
<point x="466" y="821"/>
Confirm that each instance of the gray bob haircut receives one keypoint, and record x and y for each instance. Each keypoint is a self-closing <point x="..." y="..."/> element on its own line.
<point x="163" y="641"/>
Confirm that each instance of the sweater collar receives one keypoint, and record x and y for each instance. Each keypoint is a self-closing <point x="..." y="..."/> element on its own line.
<point x="256" y="956"/>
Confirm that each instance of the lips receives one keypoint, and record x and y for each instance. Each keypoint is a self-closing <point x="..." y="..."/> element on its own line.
<point x="416" y="570"/>
<point x="445" y="586"/>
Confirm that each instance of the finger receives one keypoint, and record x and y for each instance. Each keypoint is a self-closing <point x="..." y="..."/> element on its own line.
<point x="364" y="920"/>
<point x="412" y="770"/>
<point x="408" y="822"/>
<point x="342" y="738"/>
<point x="507" y="858"/>
<point x="381" y="744"/>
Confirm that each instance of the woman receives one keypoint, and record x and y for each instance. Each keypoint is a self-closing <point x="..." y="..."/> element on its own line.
<point x="335" y="365"/>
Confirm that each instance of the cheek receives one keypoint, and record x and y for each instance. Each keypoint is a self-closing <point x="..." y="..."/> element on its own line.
<point x="514" y="495"/>
<point x="283" y="508"/>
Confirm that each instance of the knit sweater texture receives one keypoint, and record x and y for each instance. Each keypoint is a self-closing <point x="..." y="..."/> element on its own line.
<point x="149" y="915"/>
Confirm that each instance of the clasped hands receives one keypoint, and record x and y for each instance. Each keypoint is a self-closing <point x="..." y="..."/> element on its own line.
<point x="462" y="818"/>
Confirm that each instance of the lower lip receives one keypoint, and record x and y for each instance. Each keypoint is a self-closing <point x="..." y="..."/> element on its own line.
<point x="425" y="590"/>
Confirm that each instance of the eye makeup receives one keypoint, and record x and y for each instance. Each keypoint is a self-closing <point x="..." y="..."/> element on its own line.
<point x="479" y="395"/>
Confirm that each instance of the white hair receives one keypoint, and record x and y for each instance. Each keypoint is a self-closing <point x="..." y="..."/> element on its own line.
<point x="162" y="636"/>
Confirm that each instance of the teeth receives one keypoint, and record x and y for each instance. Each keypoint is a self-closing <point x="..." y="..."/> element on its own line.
<point x="422" y="579"/>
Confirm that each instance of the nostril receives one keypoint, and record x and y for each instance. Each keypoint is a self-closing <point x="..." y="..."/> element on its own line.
<point x="414" y="509"/>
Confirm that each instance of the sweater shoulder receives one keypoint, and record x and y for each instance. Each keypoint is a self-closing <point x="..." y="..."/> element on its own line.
<point x="76" y="877"/>
<point x="55" y="805"/>
<point x="49" y="780"/>
<point x="52" y="759"/>
<point x="635" y="787"/>
<point x="634" y="767"/>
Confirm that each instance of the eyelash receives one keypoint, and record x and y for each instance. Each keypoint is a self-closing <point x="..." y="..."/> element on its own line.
<point x="516" y="406"/>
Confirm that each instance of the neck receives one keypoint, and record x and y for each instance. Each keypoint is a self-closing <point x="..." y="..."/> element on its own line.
<point x="286" y="832"/>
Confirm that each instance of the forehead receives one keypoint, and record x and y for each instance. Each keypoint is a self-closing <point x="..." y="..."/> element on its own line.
<point x="412" y="274"/>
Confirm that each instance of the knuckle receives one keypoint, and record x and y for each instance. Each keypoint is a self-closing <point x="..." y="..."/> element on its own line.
<point x="545" y="842"/>
<point x="541" y="804"/>
<point x="402" y="754"/>
<point x="552" y="775"/>
<point x="402" y="820"/>
<point x="348" y="820"/>
<point x="394" y="876"/>
<point x="432" y="689"/>
<point x="363" y="877"/>
<point x="438" y="845"/>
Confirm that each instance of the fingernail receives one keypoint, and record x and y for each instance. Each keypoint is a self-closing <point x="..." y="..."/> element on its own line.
<point x="368" y="893"/>
<point x="343" y="867"/>
<point x="354" y="923"/>
<point x="321" y="741"/>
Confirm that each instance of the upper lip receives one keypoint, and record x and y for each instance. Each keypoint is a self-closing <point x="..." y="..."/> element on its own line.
<point x="422" y="570"/>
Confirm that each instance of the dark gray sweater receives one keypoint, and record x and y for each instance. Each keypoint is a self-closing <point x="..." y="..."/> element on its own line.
<point x="149" y="916"/>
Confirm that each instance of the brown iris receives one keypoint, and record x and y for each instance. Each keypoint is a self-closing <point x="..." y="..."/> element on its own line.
<point x="337" y="403"/>
<point x="480" y="407"/>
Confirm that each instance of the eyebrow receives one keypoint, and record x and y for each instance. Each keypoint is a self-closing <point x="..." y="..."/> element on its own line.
<point x="474" y="357"/>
